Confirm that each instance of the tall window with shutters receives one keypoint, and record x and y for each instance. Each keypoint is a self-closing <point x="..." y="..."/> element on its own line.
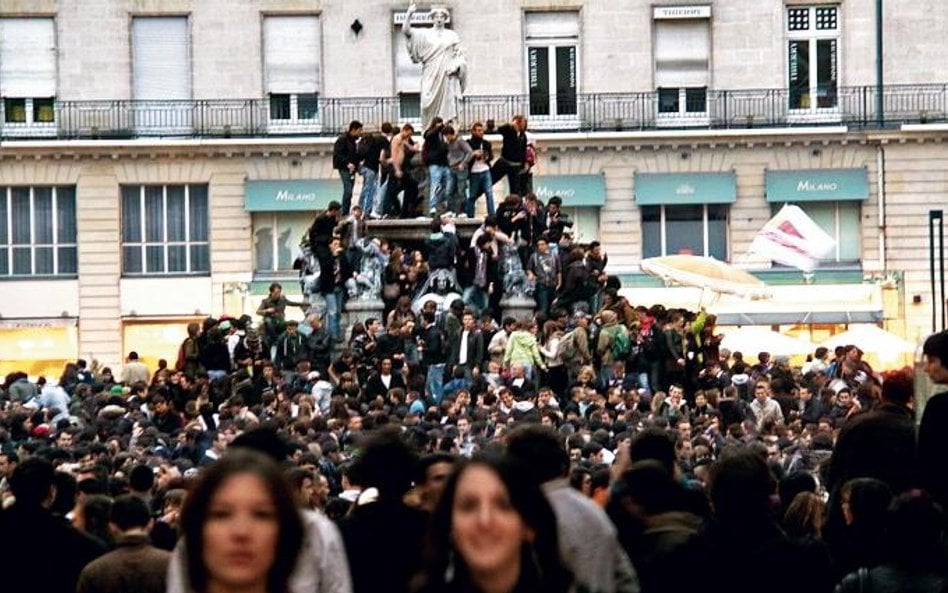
<point x="161" y="75"/>
<point x="28" y="75"/>
<point x="682" y="49"/>
<point x="552" y="48"/>
<point x="291" y="71"/>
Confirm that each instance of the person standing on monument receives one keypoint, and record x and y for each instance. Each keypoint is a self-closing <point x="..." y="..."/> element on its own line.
<point x="444" y="67"/>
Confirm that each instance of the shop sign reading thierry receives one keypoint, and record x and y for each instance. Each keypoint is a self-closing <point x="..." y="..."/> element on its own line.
<point x="681" y="12"/>
<point x="296" y="194"/>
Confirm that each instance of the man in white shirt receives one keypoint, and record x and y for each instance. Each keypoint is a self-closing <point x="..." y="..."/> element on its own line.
<point x="134" y="370"/>
<point x="467" y="350"/>
<point x="763" y="407"/>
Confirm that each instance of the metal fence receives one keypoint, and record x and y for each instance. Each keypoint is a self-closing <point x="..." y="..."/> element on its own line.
<point x="586" y="112"/>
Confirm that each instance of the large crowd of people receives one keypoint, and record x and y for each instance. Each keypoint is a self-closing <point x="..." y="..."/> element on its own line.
<point x="596" y="446"/>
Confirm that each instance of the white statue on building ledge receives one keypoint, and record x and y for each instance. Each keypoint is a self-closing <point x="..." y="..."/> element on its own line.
<point x="444" y="67"/>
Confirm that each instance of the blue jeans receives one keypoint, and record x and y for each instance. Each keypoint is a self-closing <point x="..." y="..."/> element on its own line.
<point x="458" y="196"/>
<point x="347" y="181"/>
<point x="334" y="302"/>
<point x="434" y="382"/>
<point x="544" y="296"/>
<point x="369" y="189"/>
<point x="439" y="184"/>
<point x="479" y="183"/>
<point x="378" y="208"/>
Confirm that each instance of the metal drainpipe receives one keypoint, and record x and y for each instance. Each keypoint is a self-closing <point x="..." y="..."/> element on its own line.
<point x="880" y="199"/>
<point x="880" y="102"/>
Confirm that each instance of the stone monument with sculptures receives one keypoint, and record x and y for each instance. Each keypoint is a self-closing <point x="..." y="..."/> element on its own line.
<point x="444" y="67"/>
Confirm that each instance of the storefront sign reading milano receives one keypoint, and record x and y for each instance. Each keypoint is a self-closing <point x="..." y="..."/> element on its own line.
<point x="300" y="194"/>
<point x="574" y="190"/>
<point x="817" y="185"/>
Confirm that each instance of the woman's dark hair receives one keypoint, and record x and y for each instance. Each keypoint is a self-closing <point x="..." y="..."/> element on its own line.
<point x="741" y="487"/>
<point x="197" y="506"/>
<point x="540" y="450"/>
<point x="546" y="569"/>
<point x="386" y="463"/>
<point x="915" y="529"/>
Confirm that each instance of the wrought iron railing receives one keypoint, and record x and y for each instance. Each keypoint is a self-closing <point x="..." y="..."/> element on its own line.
<point x="586" y="112"/>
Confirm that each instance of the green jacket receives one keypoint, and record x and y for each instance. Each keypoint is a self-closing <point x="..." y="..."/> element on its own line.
<point x="522" y="348"/>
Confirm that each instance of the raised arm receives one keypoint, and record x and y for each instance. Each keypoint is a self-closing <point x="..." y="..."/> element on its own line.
<point x="406" y="26"/>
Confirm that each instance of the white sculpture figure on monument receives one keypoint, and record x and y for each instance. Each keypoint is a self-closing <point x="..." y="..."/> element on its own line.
<point x="444" y="67"/>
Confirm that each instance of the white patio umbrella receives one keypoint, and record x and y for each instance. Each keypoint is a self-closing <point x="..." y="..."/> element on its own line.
<point x="874" y="339"/>
<point x="750" y="340"/>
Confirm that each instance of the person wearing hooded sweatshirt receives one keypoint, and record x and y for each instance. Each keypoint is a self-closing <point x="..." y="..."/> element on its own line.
<point x="522" y="348"/>
<point x="442" y="248"/>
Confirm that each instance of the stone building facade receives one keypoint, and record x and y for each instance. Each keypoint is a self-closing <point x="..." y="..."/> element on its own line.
<point x="142" y="142"/>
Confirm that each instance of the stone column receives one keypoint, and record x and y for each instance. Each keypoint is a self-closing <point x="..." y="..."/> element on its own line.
<point x="360" y="310"/>
<point x="518" y="307"/>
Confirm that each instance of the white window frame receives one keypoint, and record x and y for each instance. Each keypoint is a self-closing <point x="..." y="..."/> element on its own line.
<point x="294" y="124"/>
<point x="55" y="245"/>
<point x="706" y="243"/>
<point x="152" y="115"/>
<point x="144" y="244"/>
<point x="30" y="126"/>
<point x="833" y="258"/>
<point x="551" y="43"/>
<point x="683" y="117"/>
<point x="579" y="214"/>
<point x="814" y="113"/>
<point x="274" y="221"/>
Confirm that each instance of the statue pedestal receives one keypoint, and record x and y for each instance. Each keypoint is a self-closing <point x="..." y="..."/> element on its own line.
<point x="518" y="307"/>
<point x="360" y="310"/>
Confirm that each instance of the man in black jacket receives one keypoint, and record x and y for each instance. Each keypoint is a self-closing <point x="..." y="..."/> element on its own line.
<point x="513" y="155"/>
<point x="881" y="443"/>
<point x="467" y="349"/>
<point x="433" y="345"/>
<point x="332" y="285"/>
<point x="38" y="550"/>
<point x="345" y="159"/>
<point x="436" y="158"/>
<point x="931" y="444"/>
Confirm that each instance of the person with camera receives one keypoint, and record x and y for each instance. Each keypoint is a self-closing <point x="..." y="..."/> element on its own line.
<point x="479" y="179"/>
<point x="556" y="223"/>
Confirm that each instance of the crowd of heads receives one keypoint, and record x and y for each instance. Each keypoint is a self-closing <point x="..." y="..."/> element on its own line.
<point x="444" y="405"/>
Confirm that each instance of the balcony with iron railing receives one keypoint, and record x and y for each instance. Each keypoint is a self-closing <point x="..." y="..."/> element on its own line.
<point x="49" y="118"/>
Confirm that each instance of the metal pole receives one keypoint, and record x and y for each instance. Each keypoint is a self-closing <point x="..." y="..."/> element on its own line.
<point x="943" y="303"/>
<point x="932" y="215"/>
<point x="937" y="245"/>
<point x="880" y="103"/>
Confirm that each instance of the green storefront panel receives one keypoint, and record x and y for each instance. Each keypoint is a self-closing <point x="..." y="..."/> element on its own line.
<point x="655" y="189"/>
<point x="575" y="190"/>
<point x="299" y="194"/>
<point x="817" y="185"/>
